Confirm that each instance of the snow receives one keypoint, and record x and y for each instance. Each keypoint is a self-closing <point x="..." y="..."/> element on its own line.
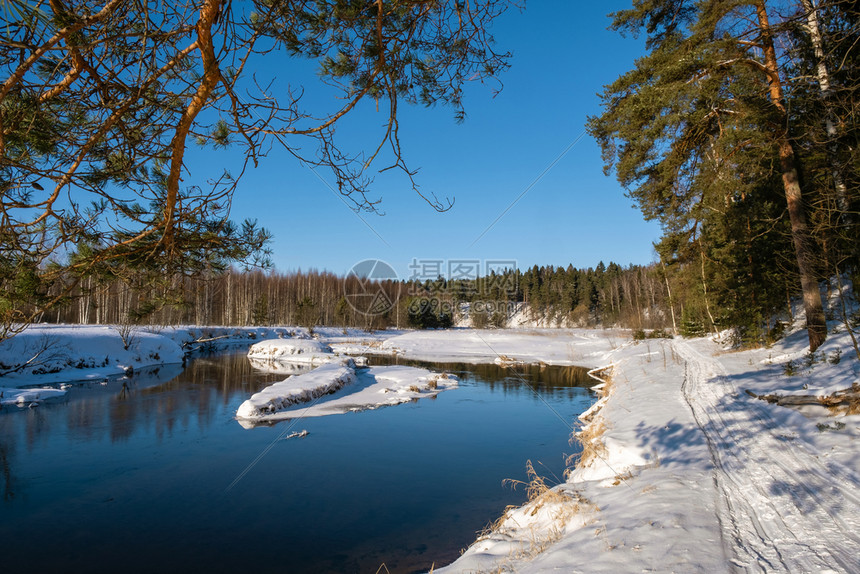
<point x="297" y="389"/>
<point x="29" y="397"/>
<point x="80" y="353"/>
<point x="303" y="351"/>
<point x="359" y="390"/>
<point x="685" y="471"/>
<point x="55" y="354"/>
<point x="377" y="386"/>
<point x="683" y="468"/>
<point x="550" y="346"/>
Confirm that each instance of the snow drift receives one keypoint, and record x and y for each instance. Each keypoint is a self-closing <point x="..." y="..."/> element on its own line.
<point x="308" y="351"/>
<point x="297" y="389"/>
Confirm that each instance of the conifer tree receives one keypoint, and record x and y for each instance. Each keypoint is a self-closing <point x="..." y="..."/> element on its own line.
<point x="702" y="122"/>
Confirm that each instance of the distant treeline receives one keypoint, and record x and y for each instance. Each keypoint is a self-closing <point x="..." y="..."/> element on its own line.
<point x="637" y="297"/>
<point x="634" y="296"/>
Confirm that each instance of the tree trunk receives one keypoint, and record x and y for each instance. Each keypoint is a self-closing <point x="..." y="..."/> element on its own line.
<point x="705" y="290"/>
<point x="816" y="325"/>
<point x="669" y="293"/>
<point x="823" y="76"/>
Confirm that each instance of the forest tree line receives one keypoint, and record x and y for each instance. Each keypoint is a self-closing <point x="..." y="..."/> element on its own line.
<point x="639" y="297"/>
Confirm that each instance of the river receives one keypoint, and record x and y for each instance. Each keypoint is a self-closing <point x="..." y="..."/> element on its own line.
<point x="135" y="475"/>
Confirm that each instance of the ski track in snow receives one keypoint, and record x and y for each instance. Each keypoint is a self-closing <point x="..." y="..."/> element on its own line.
<point x="780" y="508"/>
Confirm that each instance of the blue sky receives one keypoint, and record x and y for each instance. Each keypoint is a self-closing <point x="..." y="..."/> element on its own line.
<point x="563" y="55"/>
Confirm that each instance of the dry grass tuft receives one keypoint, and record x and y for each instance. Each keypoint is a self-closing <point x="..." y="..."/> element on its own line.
<point x="594" y="425"/>
<point x="562" y="505"/>
<point x="537" y="490"/>
<point x="497" y="525"/>
<point x="592" y="447"/>
<point x="539" y="494"/>
<point x="622" y="478"/>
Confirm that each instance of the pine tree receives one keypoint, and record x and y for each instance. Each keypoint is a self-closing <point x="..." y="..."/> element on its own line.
<point x="99" y="103"/>
<point x="701" y="120"/>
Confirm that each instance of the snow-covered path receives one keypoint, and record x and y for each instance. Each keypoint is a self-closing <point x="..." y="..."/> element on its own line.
<point x="692" y="474"/>
<point x="780" y="508"/>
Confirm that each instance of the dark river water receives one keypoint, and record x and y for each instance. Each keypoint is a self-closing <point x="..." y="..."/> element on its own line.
<point x="136" y="475"/>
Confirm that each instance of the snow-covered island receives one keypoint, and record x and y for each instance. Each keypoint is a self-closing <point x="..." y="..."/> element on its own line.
<point x="361" y="388"/>
<point x="293" y="351"/>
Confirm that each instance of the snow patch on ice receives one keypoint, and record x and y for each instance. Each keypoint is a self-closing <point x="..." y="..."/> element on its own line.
<point x="297" y="389"/>
<point x="373" y="388"/>
<point x="309" y="351"/>
<point x="550" y="346"/>
<point x="29" y="397"/>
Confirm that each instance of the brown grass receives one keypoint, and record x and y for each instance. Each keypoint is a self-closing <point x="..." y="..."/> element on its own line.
<point x="540" y="494"/>
<point x="622" y="478"/>
<point x="592" y="447"/>
<point x="537" y="490"/>
<point x="590" y="435"/>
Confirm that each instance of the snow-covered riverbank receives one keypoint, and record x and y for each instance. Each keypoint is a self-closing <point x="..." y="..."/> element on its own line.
<point x="685" y="468"/>
<point x="48" y="358"/>
<point x="686" y="471"/>
<point x="54" y="354"/>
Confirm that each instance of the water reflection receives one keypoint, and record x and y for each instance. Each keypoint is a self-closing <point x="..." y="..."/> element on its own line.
<point x="549" y="379"/>
<point x="159" y="398"/>
<point x="6" y="469"/>
<point x="279" y="367"/>
<point x="408" y="485"/>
